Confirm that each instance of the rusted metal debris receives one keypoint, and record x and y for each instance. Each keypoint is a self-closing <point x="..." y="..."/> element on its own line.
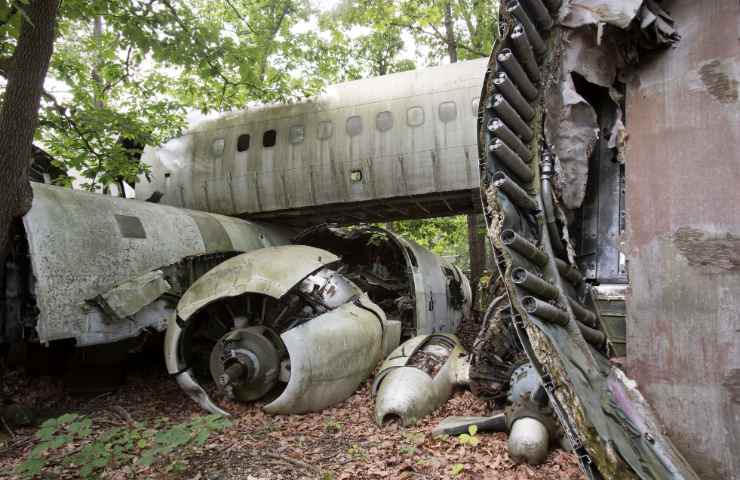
<point x="576" y="129"/>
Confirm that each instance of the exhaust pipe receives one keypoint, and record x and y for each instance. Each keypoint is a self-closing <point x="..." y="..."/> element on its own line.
<point x="506" y="87"/>
<point x="524" y="53"/>
<point x="518" y="12"/>
<point x="507" y="59"/>
<point x="499" y="129"/>
<point x="511" y="161"/>
<point x="507" y="113"/>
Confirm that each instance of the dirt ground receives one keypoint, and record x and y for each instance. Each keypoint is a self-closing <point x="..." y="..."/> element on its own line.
<point x="338" y="443"/>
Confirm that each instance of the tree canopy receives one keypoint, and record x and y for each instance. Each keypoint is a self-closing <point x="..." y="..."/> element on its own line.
<point x="125" y="73"/>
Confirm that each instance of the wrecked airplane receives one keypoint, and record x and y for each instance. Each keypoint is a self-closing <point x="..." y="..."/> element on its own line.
<point x="96" y="269"/>
<point x="320" y="315"/>
<point x="240" y="304"/>
<point x="551" y="138"/>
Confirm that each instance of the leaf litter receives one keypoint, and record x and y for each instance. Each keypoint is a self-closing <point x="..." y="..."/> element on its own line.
<point x="339" y="443"/>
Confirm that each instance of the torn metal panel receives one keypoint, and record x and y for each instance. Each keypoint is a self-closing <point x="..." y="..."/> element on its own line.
<point x="413" y="285"/>
<point x="656" y="26"/>
<point x="269" y="271"/>
<point x="124" y="300"/>
<point x="619" y="13"/>
<point x="571" y="127"/>
<point x="83" y="245"/>
<point x="571" y="123"/>
<point x="329" y="357"/>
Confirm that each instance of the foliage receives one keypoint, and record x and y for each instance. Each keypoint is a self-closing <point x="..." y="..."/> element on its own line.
<point x="411" y="442"/>
<point x="357" y="452"/>
<point x="125" y="72"/>
<point x="469" y="438"/>
<point x="333" y="425"/>
<point x="134" y="444"/>
<point x="457" y="469"/>
<point x="445" y="236"/>
<point x="473" y="22"/>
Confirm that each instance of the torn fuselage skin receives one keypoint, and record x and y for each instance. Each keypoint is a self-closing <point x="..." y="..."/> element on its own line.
<point x="93" y="269"/>
<point x="423" y="291"/>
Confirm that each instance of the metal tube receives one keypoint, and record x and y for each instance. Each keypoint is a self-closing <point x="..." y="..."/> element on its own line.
<point x="592" y="336"/>
<point x="511" y="161"/>
<point x="523" y="246"/>
<point x="509" y="62"/>
<point x="569" y="272"/>
<point x="539" y="13"/>
<point x="582" y="313"/>
<point x="512" y="119"/>
<point x="547" y="196"/>
<point x="518" y="12"/>
<point x="514" y="192"/>
<point x="524" y="53"/>
<point x="534" y="284"/>
<point x="506" y="87"/>
<point x="500" y="130"/>
<point x="545" y="311"/>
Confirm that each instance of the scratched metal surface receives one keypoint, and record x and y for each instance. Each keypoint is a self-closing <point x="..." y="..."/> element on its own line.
<point x="683" y="171"/>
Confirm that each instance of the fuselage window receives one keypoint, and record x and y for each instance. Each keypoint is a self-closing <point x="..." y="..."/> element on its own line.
<point x="296" y="134"/>
<point x="325" y="130"/>
<point x="269" y="138"/>
<point x="415" y="116"/>
<point x="474" y="106"/>
<point x="242" y="143"/>
<point x="217" y="147"/>
<point x="354" y="125"/>
<point x="447" y="111"/>
<point x="384" y="121"/>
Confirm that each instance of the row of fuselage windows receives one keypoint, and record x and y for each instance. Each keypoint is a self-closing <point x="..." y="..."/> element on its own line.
<point x="447" y="112"/>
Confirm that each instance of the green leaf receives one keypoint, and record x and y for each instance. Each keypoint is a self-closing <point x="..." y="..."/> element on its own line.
<point x="472" y="430"/>
<point x="32" y="466"/>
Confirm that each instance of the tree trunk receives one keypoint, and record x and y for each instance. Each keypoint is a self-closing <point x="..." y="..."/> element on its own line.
<point x="476" y="242"/>
<point x="477" y="252"/>
<point x="450" y="32"/>
<point x="19" y="113"/>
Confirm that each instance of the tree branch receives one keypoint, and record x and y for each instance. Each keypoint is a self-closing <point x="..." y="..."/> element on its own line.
<point x="438" y="35"/>
<point x="62" y="111"/>
<point x="241" y="17"/>
<point x="218" y="71"/>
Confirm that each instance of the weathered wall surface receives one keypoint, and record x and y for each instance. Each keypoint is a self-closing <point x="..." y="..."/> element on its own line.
<point x="683" y="191"/>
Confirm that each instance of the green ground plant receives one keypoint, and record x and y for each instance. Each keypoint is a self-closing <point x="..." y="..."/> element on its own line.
<point x="69" y="442"/>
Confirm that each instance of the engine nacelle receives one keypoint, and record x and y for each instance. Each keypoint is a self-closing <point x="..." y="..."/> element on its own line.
<point x="288" y="325"/>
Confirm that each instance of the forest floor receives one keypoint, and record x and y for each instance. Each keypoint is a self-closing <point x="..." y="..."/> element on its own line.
<point x="339" y="443"/>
